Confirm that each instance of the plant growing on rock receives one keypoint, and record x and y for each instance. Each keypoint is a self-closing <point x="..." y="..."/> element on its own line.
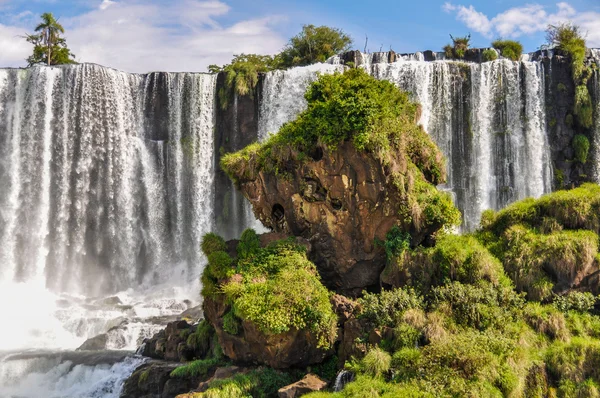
<point x="510" y="49"/>
<point x="458" y="48"/>
<point x="581" y="145"/>
<point x="568" y="38"/>
<point x="489" y="55"/>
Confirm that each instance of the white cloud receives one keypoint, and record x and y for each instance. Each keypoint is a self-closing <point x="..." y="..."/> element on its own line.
<point x="14" y="47"/>
<point x="137" y="37"/>
<point x="527" y="20"/>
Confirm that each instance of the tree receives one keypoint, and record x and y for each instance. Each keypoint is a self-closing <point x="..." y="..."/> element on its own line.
<point x="48" y="45"/>
<point x="314" y="44"/>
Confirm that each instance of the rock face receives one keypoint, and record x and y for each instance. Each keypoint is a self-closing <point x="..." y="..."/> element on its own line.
<point x="170" y="343"/>
<point x="341" y="202"/>
<point x="153" y="380"/>
<point x="251" y="346"/>
<point x="309" y="383"/>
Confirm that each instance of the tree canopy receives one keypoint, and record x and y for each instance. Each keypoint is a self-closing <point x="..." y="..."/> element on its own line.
<point x="49" y="47"/>
<point x="314" y="44"/>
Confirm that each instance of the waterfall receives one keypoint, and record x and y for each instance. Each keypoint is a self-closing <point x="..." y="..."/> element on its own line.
<point x="106" y="176"/>
<point x="595" y="92"/>
<point x="488" y="119"/>
<point x="283" y="95"/>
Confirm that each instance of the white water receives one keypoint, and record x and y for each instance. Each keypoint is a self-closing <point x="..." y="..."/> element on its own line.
<point x="107" y="188"/>
<point x="283" y="95"/>
<point x="488" y="119"/>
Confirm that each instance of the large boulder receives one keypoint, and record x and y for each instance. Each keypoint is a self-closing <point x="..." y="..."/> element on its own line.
<point x="308" y="384"/>
<point x="345" y="187"/>
<point x="298" y="348"/>
<point x="153" y="380"/>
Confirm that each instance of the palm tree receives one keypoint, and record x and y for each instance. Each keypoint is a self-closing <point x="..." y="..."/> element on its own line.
<point x="49" y="33"/>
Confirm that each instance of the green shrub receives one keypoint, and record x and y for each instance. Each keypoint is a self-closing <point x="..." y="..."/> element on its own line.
<point x="489" y="55"/>
<point x="576" y="301"/>
<point x="509" y="49"/>
<point x="213" y="243"/>
<point x="314" y="44"/>
<point x="581" y="145"/>
<point x="406" y="362"/>
<point x="479" y="307"/>
<point x="458" y="48"/>
<point x="261" y="383"/>
<point x="377" y="362"/>
<point x="249" y="244"/>
<point x="396" y="242"/>
<point x="387" y="307"/>
<point x="220" y="265"/>
<point x="405" y="336"/>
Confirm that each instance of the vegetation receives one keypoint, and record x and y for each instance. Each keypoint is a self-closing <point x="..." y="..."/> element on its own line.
<point x="489" y="55"/>
<point x="314" y="44"/>
<point x="510" y="49"/>
<point x="568" y="38"/>
<point x="241" y="75"/>
<point x="581" y="145"/>
<point x="376" y="118"/>
<point x="275" y="287"/>
<point x="259" y="383"/>
<point x="458" y="48"/>
<point x="49" y="47"/>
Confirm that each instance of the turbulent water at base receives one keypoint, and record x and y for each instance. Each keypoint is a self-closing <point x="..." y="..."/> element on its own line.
<point x="488" y="119"/>
<point x="106" y="191"/>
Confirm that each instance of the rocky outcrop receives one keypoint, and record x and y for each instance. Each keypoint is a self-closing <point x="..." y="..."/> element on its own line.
<point x="170" y="344"/>
<point x="295" y="348"/>
<point x="342" y="202"/>
<point x="308" y="384"/>
<point x="153" y="380"/>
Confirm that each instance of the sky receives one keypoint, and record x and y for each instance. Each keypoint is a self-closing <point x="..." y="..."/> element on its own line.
<point x="188" y="35"/>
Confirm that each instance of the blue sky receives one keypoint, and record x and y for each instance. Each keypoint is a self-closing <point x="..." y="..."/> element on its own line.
<point x="140" y="36"/>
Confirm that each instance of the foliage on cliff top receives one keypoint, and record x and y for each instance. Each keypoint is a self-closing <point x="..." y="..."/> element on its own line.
<point x="377" y="118"/>
<point x="314" y="44"/>
<point x="275" y="287"/>
<point x="49" y="47"/>
<point x="458" y="48"/>
<point x="510" y="49"/>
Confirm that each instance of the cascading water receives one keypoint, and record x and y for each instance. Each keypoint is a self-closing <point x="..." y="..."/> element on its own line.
<point x="107" y="188"/>
<point x="595" y="92"/>
<point x="283" y="95"/>
<point x="488" y="119"/>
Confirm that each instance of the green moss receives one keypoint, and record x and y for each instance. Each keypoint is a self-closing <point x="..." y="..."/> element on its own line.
<point x="199" y="341"/>
<point x="194" y="369"/>
<point x="276" y="288"/>
<point x="510" y="49"/>
<point x="561" y="88"/>
<point x="489" y="55"/>
<point x="143" y="377"/>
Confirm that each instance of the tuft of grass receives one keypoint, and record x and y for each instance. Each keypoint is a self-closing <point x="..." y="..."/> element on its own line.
<point x="377" y="362"/>
<point x="194" y="369"/>
<point x="489" y="55"/>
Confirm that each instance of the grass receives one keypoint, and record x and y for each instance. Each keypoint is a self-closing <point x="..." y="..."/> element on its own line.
<point x="510" y="49"/>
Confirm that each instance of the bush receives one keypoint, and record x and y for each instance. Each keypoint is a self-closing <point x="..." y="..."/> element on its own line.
<point x="489" y="55"/>
<point x="377" y="362"/>
<point x="212" y="243"/>
<point x="220" y="265"/>
<point x="509" y="49"/>
<point x="581" y="145"/>
<point x="458" y="48"/>
<point x="231" y="324"/>
<point x="249" y="244"/>
<point x="576" y="301"/>
<point x="387" y="307"/>
<point x="479" y="307"/>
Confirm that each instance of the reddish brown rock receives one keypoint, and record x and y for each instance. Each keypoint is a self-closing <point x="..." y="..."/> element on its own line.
<point x="309" y="383"/>
<point x="251" y="346"/>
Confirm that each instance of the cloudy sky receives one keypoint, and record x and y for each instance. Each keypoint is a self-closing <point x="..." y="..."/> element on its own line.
<point x="188" y="35"/>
